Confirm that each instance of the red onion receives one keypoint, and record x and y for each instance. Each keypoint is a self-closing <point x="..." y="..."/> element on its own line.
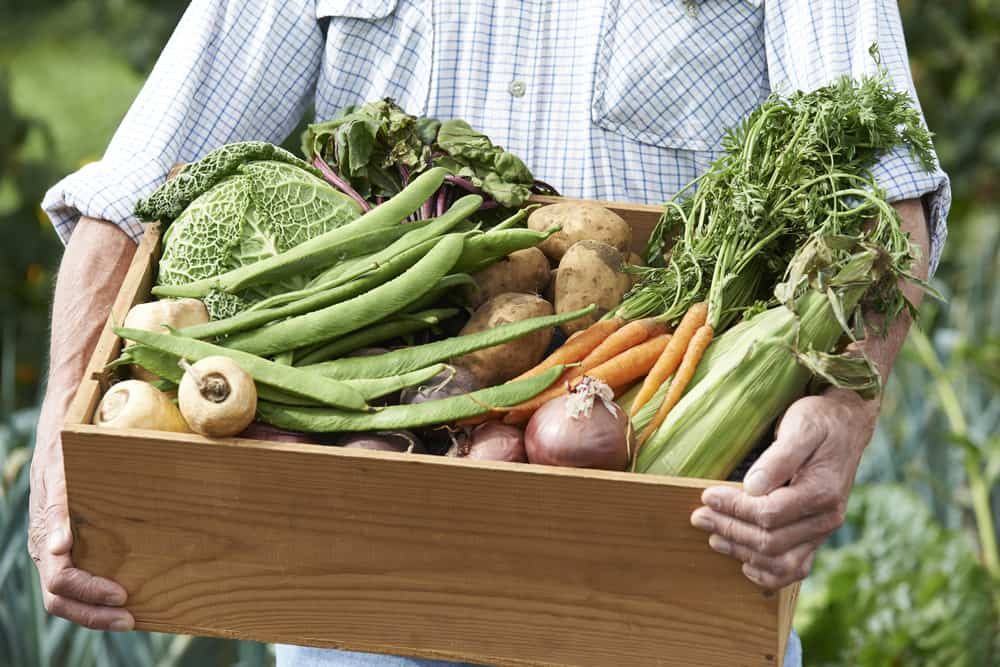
<point x="494" y="441"/>
<point x="262" y="431"/>
<point x="583" y="429"/>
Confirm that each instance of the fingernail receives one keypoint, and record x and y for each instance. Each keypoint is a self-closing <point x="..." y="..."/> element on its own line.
<point x="700" y="520"/>
<point x="712" y="499"/>
<point x="117" y="599"/>
<point x="752" y="573"/>
<point x="720" y="544"/>
<point x="121" y="625"/>
<point x="756" y="482"/>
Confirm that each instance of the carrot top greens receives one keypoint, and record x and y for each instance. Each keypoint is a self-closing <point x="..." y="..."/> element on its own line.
<point x="797" y="168"/>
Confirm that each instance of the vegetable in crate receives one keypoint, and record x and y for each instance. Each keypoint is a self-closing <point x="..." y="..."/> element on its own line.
<point x="217" y="397"/>
<point x="525" y="271"/>
<point x="159" y="316"/>
<point x="796" y="167"/>
<point x="502" y="362"/>
<point x="138" y="404"/>
<point x="372" y="151"/>
<point x="493" y="441"/>
<point x="590" y="272"/>
<point x="580" y="221"/>
<point x="583" y="429"/>
<point x="239" y="204"/>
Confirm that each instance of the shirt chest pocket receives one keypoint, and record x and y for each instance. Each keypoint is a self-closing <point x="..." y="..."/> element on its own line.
<point x="355" y="9"/>
<point x="677" y="73"/>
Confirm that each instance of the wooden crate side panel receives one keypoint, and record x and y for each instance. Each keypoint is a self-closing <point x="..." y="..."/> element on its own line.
<point x="135" y="289"/>
<point x="504" y="564"/>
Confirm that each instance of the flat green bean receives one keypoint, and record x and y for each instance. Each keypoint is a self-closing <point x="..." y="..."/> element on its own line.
<point x="515" y="219"/>
<point x="486" y="249"/>
<point x="342" y="318"/>
<point x="401" y="325"/>
<point x="288" y="378"/>
<point x="447" y="285"/>
<point x="431" y="413"/>
<point x="420" y="356"/>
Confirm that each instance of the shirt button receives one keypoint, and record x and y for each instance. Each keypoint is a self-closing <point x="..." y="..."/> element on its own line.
<point x="517" y="88"/>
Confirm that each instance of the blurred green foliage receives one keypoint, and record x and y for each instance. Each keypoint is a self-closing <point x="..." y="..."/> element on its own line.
<point x="901" y="584"/>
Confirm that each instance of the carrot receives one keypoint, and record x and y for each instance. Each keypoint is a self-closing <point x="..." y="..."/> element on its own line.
<point x="627" y="337"/>
<point x="695" y="351"/>
<point x="578" y="346"/>
<point x="668" y="362"/>
<point x="617" y="372"/>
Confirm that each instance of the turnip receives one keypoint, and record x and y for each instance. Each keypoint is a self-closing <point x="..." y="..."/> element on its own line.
<point x="159" y="316"/>
<point x="217" y="397"/>
<point x="138" y="404"/>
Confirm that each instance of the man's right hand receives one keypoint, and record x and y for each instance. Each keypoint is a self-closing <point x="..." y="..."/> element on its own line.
<point x="91" y="273"/>
<point x="94" y="602"/>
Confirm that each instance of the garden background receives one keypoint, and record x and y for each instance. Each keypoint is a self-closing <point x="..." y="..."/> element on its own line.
<point x="912" y="579"/>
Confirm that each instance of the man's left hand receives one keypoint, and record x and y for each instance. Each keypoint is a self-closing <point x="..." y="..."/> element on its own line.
<point x="795" y="494"/>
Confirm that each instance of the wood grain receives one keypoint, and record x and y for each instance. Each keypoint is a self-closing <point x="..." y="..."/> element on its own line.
<point x="508" y="564"/>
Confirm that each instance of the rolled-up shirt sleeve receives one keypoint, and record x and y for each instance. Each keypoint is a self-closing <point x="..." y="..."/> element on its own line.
<point x="810" y="44"/>
<point x="232" y="71"/>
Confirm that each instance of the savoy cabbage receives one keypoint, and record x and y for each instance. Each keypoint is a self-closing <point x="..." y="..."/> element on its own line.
<point x="234" y="209"/>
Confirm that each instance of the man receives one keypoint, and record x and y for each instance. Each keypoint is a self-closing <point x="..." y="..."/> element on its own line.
<point x="608" y="99"/>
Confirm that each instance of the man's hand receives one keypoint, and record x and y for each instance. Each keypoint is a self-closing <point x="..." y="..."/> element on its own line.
<point x="776" y="529"/>
<point x="68" y="592"/>
<point x="90" y="275"/>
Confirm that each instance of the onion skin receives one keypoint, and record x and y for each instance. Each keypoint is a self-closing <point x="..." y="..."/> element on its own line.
<point x="261" y="431"/>
<point x="453" y="381"/>
<point x="383" y="441"/>
<point x="553" y="437"/>
<point x="496" y="441"/>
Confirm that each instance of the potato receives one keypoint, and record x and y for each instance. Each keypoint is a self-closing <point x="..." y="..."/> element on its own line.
<point x="502" y="362"/>
<point x="549" y="294"/>
<point x="590" y="272"/>
<point x="580" y="221"/>
<point x="524" y="271"/>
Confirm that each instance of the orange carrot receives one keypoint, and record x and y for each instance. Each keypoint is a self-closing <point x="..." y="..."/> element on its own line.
<point x="695" y="351"/>
<point x="578" y="346"/>
<point x="668" y="362"/>
<point x="629" y="336"/>
<point x="617" y="372"/>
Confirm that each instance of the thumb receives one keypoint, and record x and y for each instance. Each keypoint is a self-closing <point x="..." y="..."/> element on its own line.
<point x="800" y="433"/>
<point x="57" y="527"/>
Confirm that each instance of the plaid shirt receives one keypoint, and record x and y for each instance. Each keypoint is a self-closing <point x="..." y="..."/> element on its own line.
<point x="605" y="99"/>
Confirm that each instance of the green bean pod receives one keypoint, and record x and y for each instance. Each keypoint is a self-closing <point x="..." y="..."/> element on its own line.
<point x="515" y="219"/>
<point x="288" y="378"/>
<point x="420" y="356"/>
<point x="488" y="248"/>
<point x="458" y="212"/>
<point x="431" y="413"/>
<point x="401" y="325"/>
<point x="318" y="250"/>
<point x="317" y="299"/>
<point x="447" y="285"/>
<point x="359" y="312"/>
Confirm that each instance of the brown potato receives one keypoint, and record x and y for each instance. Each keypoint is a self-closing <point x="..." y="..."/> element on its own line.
<point x="590" y="272"/>
<point x="580" y="221"/>
<point x="524" y="271"/>
<point x="500" y="363"/>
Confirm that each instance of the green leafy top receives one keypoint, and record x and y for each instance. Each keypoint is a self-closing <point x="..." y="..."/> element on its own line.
<point x="377" y="147"/>
<point x="797" y="167"/>
<point x="196" y="178"/>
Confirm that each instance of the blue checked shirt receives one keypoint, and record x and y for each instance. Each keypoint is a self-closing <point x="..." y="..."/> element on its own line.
<point x="605" y="99"/>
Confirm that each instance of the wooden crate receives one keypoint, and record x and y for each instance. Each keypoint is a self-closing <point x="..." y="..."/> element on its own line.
<point x="509" y="564"/>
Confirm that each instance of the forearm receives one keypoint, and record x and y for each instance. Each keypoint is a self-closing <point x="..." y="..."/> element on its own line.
<point x="90" y="275"/>
<point x="882" y="347"/>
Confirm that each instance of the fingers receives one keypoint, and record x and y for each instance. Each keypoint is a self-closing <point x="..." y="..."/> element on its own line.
<point x="793" y="567"/>
<point x="66" y="581"/>
<point x="56" y="517"/>
<point x="729" y="531"/>
<point x="88" y="615"/>
<point x="800" y="433"/>
<point x="782" y="507"/>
